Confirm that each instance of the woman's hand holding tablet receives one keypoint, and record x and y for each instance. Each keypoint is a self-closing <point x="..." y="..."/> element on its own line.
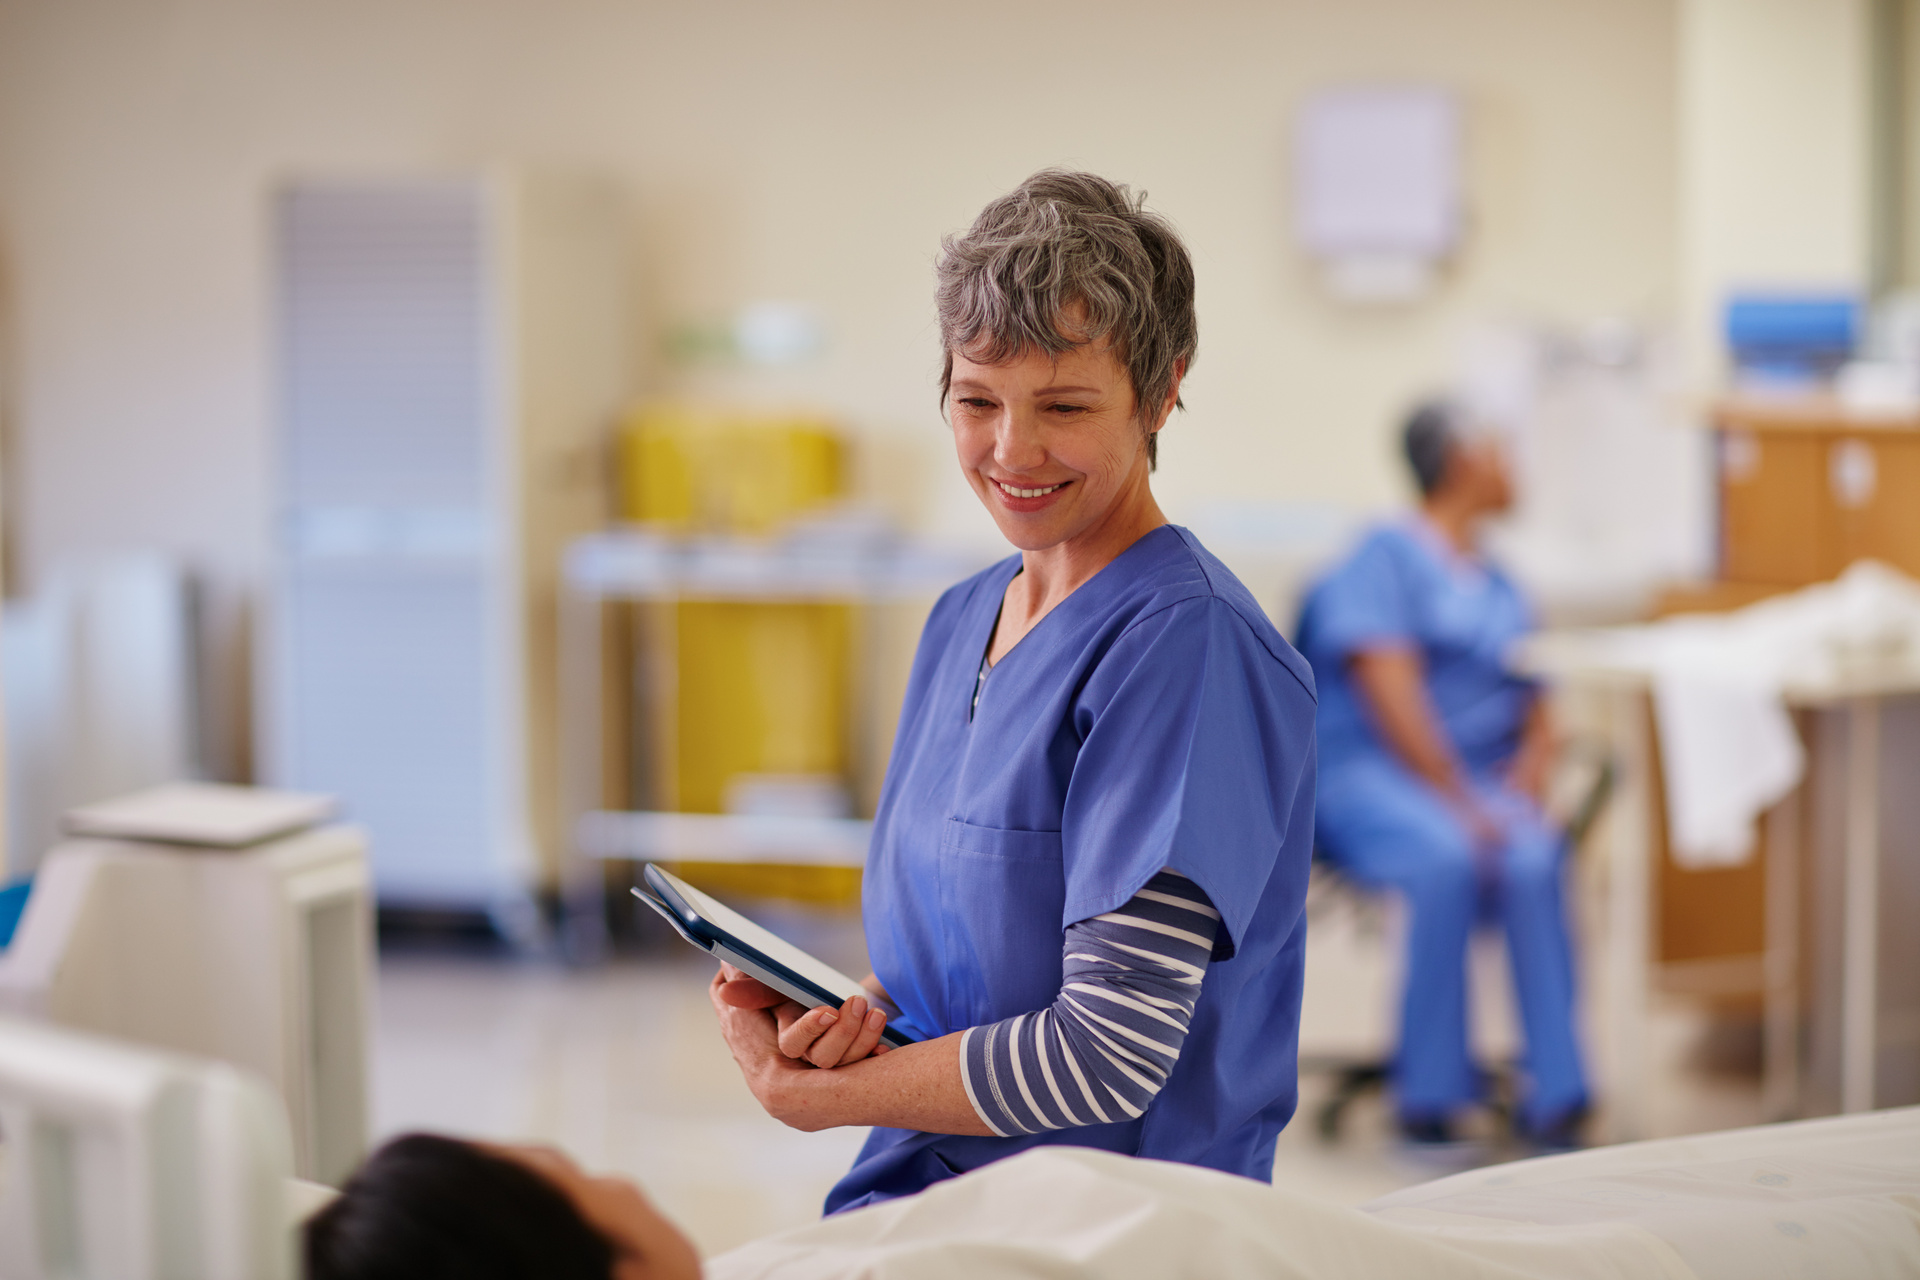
<point x="824" y="1036"/>
<point x="819" y="1015"/>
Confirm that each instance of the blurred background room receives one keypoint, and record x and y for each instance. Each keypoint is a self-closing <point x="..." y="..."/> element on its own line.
<point x="486" y="446"/>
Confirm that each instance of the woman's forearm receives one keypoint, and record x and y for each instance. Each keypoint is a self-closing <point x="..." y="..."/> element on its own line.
<point x="1392" y="684"/>
<point x="1531" y="762"/>
<point x="914" y="1087"/>
<point x="1099" y="1054"/>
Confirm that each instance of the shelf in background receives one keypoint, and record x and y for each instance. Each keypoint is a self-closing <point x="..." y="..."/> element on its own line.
<point x="645" y="836"/>
<point x="635" y="563"/>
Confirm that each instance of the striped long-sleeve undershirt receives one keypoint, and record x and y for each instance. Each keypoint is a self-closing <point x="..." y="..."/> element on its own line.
<point x="1101" y="1052"/>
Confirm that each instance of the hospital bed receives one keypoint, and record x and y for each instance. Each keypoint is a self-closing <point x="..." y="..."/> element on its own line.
<point x="125" y="1163"/>
<point x="1820" y="1198"/>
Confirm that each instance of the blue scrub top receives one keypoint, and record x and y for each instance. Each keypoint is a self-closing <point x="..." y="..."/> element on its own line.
<point x="1155" y="718"/>
<point x="1403" y="586"/>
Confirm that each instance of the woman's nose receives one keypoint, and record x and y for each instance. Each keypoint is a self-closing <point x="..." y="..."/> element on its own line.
<point x="1016" y="443"/>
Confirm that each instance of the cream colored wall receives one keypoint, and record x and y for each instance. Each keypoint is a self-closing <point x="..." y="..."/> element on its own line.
<point x="1906" y="135"/>
<point x="811" y="152"/>
<point x="1775" y="153"/>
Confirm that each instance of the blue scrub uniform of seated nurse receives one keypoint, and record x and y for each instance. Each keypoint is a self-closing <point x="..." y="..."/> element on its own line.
<point x="1086" y="884"/>
<point x="1432" y="758"/>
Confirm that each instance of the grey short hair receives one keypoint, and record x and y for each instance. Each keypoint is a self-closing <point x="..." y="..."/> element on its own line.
<point x="1062" y="242"/>
<point x="1429" y="437"/>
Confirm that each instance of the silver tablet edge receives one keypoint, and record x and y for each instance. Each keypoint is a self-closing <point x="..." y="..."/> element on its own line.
<point x="722" y="952"/>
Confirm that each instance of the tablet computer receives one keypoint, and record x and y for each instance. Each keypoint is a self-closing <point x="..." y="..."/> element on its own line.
<point x="725" y="934"/>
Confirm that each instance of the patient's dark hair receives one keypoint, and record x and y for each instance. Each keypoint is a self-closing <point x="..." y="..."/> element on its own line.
<point x="431" y="1208"/>
<point x="1428" y="437"/>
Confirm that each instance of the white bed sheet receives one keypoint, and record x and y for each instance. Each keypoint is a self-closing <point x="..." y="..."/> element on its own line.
<point x="1819" y="1198"/>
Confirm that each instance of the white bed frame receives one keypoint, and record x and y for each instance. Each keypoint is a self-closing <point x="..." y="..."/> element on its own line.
<point x="124" y="1163"/>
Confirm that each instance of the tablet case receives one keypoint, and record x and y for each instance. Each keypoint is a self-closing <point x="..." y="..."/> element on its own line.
<point x="663" y="894"/>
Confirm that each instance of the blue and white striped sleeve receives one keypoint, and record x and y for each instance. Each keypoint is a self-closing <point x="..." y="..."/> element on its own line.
<point x="1101" y="1052"/>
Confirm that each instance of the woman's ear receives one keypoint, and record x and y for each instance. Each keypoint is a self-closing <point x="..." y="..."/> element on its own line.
<point x="1173" y="396"/>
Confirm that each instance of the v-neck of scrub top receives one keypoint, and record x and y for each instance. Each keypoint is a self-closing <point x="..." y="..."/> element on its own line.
<point x="1467" y="569"/>
<point x="980" y="680"/>
<point x="987" y="665"/>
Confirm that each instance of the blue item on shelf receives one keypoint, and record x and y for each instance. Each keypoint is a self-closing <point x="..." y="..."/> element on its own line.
<point x="13" y="901"/>
<point x="1791" y="337"/>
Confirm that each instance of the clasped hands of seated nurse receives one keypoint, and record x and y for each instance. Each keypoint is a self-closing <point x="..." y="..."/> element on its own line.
<point x="1393" y="683"/>
<point x="822" y="1068"/>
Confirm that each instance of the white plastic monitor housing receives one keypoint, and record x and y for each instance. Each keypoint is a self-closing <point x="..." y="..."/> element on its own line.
<point x="124" y="1163"/>
<point x="258" y="957"/>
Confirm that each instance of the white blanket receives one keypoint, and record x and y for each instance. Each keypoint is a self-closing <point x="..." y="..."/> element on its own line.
<point x="1727" y="744"/>
<point x="1820" y="1198"/>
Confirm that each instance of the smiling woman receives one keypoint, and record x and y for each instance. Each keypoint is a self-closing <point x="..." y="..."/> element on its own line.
<point x="1053" y="447"/>
<point x="1088" y="866"/>
<point x="1066" y="260"/>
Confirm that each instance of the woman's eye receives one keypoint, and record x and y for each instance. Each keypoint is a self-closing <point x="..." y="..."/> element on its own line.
<point x="976" y="404"/>
<point x="1068" y="409"/>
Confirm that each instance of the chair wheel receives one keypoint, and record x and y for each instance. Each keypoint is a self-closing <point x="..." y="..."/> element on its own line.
<point x="1351" y="1082"/>
<point x="1327" y="1122"/>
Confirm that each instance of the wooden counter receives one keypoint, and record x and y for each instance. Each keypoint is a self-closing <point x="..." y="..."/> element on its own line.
<point x="1808" y="487"/>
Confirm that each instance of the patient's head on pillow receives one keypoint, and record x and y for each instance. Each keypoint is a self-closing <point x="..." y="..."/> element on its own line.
<point x="425" y="1207"/>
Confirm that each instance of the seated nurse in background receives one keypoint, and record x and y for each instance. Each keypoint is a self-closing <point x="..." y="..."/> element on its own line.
<point x="1085" y="888"/>
<point x="1433" y="757"/>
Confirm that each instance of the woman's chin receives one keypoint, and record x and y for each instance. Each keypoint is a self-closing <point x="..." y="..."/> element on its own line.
<point x="1034" y="531"/>
<point x="1031" y="524"/>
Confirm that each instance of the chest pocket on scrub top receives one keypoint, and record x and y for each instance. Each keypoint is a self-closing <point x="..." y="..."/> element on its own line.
<point x="1001" y="896"/>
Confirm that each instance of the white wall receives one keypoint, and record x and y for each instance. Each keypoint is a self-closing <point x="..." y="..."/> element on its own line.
<point x="1775" y="146"/>
<point x="779" y="150"/>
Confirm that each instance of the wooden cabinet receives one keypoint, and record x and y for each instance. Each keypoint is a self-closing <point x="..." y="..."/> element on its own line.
<point x="1807" y="490"/>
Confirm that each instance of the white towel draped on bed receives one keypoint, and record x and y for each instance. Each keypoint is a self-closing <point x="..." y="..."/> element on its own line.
<point x="1728" y="746"/>
<point x="1820" y="1198"/>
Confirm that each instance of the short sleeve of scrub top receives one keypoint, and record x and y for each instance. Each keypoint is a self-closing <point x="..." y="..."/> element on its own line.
<point x="1368" y="602"/>
<point x="1178" y="730"/>
<point x="1155" y="718"/>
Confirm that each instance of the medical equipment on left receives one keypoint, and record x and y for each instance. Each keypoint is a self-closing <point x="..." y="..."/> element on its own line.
<point x="132" y="1163"/>
<point x="257" y="951"/>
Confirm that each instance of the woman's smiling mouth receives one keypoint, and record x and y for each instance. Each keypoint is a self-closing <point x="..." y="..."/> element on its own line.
<point x="1012" y="492"/>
